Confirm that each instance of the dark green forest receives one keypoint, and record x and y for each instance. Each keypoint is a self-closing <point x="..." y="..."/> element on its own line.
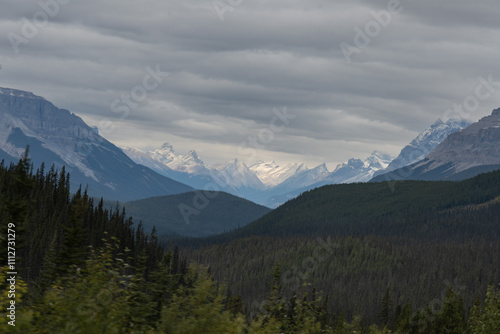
<point x="355" y="273"/>
<point x="85" y="268"/>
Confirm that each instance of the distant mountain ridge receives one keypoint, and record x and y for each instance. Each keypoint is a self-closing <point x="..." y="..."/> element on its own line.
<point x="463" y="154"/>
<point x="355" y="170"/>
<point x="60" y="138"/>
<point x="265" y="183"/>
<point x="272" y="184"/>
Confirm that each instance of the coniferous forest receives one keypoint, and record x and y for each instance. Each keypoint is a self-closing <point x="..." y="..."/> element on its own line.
<point x="420" y="267"/>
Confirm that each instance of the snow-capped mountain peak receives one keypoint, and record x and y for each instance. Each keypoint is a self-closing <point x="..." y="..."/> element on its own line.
<point x="165" y="154"/>
<point x="352" y="163"/>
<point x="463" y="154"/>
<point x="378" y="160"/>
<point x="357" y="170"/>
<point x="425" y="142"/>
<point x="271" y="174"/>
<point x="438" y="131"/>
<point x="165" y="159"/>
<point x="321" y="168"/>
<point x="192" y="155"/>
<point x="236" y="174"/>
<point x="306" y="177"/>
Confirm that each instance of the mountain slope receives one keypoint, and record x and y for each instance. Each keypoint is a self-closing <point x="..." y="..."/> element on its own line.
<point x="194" y="214"/>
<point x="411" y="208"/>
<point x="424" y="143"/>
<point x="463" y="154"/>
<point x="237" y="175"/>
<point x="60" y="138"/>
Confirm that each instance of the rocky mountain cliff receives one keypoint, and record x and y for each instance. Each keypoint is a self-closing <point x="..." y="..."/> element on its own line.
<point x="60" y="138"/>
<point x="461" y="155"/>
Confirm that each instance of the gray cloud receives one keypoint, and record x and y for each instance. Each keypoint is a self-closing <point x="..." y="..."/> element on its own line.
<point x="225" y="77"/>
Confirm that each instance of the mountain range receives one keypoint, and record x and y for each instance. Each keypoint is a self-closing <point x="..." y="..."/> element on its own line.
<point x="269" y="184"/>
<point x="265" y="183"/>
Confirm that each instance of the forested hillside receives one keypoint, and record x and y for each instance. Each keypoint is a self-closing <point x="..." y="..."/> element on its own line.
<point x="195" y="214"/>
<point x="431" y="210"/>
<point x="356" y="272"/>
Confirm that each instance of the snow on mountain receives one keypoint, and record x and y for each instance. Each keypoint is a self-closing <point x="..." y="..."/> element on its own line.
<point x="165" y="159"/>
<point x="425" y="142"/>
<point x="236" y="174"/>
<point x="271" y="184"/>
<point x="145" y="159"/>
<point x="271" y="174"/>
<point x="293" y="186"/>
<point x="261" y="180"/>
<point x="233" y="177"/>
<point x="165" y="154"/>
<point x="307" y="177"/>
<point x="357" y="170"/>
<point x="463" y="154"/>
<point x="188" y="169"/>
<point x="19" y="112"/>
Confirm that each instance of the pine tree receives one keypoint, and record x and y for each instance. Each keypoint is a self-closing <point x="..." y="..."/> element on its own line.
<point x="386" y="311"/>
<point x="162" y="284"/>
<point x="74" y="247"/>
<point x="143" y="313"/>
<point x="275" y="306"/>
<point x="403" y="321"/>
<point x="451" y="317"/>
<point x="486" y="319"/>
<point x="17" y="207"/>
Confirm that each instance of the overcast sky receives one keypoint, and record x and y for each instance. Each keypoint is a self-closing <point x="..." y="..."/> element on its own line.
<point x="355" y="78"/>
